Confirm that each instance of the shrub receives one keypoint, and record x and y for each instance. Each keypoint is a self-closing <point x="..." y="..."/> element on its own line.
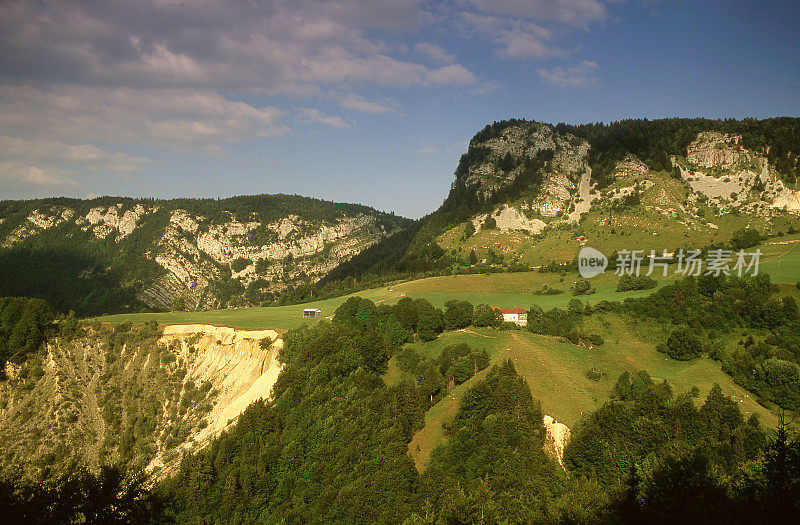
<point x="745" y="238"/>
<point x="575" y="306"/>
<point x="594" y="374"/>
<point x="637" y="282"/>
<point x="240" y="263"/>
<point x="469" y="231"/>
<point x="683" y="344"/>
<point x="582" y="287"/>
<point x="596" y="339"/>
<point x="179" y="303"/>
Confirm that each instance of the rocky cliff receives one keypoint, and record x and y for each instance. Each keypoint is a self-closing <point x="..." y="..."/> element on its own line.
<point x="195" y="254"/>
<point x="527" y="193"/>
<point x="132" y="395"/>
<point x="716" y="168"/>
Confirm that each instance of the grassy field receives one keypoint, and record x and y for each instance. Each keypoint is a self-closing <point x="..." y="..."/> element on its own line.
<point x="782" y="261"/>
<point x="780" y="258"/>
<point x="556" y="372"/>
<point x="273" y="317"/>
<point x="511" y="289"/>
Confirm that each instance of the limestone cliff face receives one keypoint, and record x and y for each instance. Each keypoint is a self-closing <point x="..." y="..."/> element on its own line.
<point x="508" y="155"/>
<point x="716" y="168"/>
<point x="720" y="170"/>
<point x="195" y="257"/>
<point x="204" y="255"/>
<point x="144" y="403"/>
<point x="712" y="149"/>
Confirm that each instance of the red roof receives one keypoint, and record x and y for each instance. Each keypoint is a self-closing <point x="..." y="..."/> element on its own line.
<point x="510" y="310"/>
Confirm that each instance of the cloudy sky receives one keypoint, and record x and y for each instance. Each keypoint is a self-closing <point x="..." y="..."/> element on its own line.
<point x="369" y="101"/>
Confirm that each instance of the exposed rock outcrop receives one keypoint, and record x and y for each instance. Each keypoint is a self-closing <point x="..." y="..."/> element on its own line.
<point x="147" y="402"/>
<point x="558" y="435"/>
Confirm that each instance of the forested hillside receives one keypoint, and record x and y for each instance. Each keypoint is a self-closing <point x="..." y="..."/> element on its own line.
<point x="334" y="441"/>
<point x="333" y="446"/>
<point x="119" y="254"/>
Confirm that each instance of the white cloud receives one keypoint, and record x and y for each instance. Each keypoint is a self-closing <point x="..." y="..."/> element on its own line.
<point x="271" y="47"/>
<point x="484" y="88"/>
<point x="581" y="75"/>
<point x="434" y="52"/>
<point x="427" y="149"/>
<point x="356" y="102"/>
<point x="315" y="116"/>
<point x="516" y="39"/>
<point x="51" y="164"/>
<point x="454" y="74"/>
<point x="22" y="176"/>
<point x="51" y="153"/>
<point x="177" y="119"/>
<point x="572" y="12"/>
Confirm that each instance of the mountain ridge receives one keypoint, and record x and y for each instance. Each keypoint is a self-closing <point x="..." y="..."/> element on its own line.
<point x="177" y="253"/>
<point x="537" y="181"/>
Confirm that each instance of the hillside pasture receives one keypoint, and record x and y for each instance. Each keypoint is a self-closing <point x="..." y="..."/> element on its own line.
<point x="556" y="372"/>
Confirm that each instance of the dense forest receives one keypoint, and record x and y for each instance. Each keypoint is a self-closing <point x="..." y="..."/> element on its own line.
<point x="24" y="327"/>
<point x="332" y="444"/>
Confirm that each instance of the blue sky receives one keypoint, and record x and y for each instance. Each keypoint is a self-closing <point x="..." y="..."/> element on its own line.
<point x="355" y="101"/>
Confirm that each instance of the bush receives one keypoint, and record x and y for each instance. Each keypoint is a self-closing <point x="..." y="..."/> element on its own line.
<point x="745" y="238"/>
<point x="596" y="339"/>
<point x="594" y="374"/>
<point x="546" y="290"/>
<point x="631" y="282"/>
<point x="683" y="344"/>
<point x="575" y="306"/>
<point x="179" y="303"/>
<point x="469" y="231"/>
<point x="240" y="263"/>
<point x="582" y="287"/>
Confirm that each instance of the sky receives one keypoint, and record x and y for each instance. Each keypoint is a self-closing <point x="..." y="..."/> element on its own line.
<point x="353" y="100"/>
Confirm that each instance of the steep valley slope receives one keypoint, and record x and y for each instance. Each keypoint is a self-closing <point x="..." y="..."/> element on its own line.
<point x="132" y="394"/>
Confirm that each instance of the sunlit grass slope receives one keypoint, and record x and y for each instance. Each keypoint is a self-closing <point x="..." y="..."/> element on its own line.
<point x="274" y="317"/>
<point x="556" y="372"/>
